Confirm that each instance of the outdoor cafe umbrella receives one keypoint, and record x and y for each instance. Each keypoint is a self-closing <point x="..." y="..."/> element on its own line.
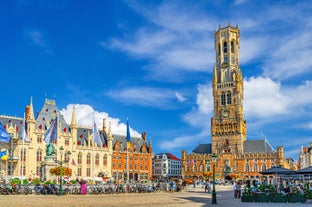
<point x="307" y="170"/>
<point x="277" y="170"/>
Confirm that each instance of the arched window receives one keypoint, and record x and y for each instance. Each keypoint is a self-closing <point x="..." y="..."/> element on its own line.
<point x="97" y="159"/>
<point x="225" y="47"/>
<point x="223" y="99"/>
<point x="195" y="168"/>
<point x="229" y="97"/>
<point x="187" y="168"/>
<point x="79" y="158"/>
<point x="105" y="160"/>
<point x="89" y="158"/>
<point x="255" y="168"/>
<point x="88" y="172"/>
<point x="232" y="47"/>
<point x="79" y="171"/>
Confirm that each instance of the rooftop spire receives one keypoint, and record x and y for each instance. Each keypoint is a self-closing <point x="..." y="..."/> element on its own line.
<point x="74" y="121"/>
<point x="31" y="110"/>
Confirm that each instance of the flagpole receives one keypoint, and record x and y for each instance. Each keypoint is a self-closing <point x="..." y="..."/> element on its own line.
<point x="6" y="167"/>
<point x="128" y="140"/>
<point x="23" y="137"/>
<point x="94" y="125"/>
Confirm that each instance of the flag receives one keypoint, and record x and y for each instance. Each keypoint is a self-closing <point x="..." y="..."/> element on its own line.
<point x="3" y="153"/>
<point x="25" y="137"/>
<point x="96" y="136"/>
<point x="73" y="162"/>
<point x="128" y="134"/>
<point x="4" y="135"/>
<point x="4" y="157"/>
<point x="51" y="133"/>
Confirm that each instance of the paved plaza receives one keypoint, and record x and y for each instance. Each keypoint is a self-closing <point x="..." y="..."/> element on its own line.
<point x="190" y="197"/>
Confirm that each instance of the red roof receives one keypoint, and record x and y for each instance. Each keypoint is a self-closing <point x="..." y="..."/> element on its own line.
<point x="171" y="156"/>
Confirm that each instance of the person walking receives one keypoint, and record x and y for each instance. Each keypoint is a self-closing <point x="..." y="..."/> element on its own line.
<point x="83" y="186"/>
<point x="238" y="189"/>
<point x="234" y="188"/>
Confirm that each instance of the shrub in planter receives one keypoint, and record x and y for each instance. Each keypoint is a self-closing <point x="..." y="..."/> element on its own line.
<point x="263" y="198"/>
<point x="248" y="198"/>
<point x="279" y="198"/>
<point x="297" y="198"/>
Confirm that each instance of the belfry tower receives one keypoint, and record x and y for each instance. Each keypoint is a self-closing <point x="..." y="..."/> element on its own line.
<point x="228" y="127"/>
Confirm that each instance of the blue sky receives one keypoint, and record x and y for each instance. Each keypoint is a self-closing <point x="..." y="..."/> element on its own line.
<point x="151" y="61"/>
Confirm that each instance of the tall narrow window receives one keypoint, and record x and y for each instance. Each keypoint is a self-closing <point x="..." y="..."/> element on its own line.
<point x="225" y="47"/>
<point x="223" y="99"/>
<point x="219" y="49"/>
<point x="105" y="160"/>
<point x="80" y="158"/>
<point x="232" y="47"/>
<point x="97" y="159"/>
<point x="39" y="155"/>
<point x="89" y="158"/>
<point x="229" y="97"/>
<point x="23" y="157"/>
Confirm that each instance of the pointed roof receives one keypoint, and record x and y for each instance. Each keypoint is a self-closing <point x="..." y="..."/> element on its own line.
<point x="73" y="120"/>
<point x="256" y="146"/>
<point x="202" y="149"/>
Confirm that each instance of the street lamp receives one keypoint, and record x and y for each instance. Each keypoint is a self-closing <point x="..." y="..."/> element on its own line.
<point x="214" y="195"/>
<point x="61" y="192"/>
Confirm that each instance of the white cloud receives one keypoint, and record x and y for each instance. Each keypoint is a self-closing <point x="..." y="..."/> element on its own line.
<point x="154" y="97"/>
<point x="205" y="99"/>
<point x="180" y="97"/>
<point x="85" y="115"/>
<point x="263" y="98"/>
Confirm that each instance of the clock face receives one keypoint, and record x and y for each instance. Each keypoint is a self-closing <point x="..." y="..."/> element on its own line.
<point x="225" y="112"/>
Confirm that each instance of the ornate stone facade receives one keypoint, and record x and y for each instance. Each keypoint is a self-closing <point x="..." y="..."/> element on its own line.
<point x="87" y="160"/>
<point x="236" y="156"/>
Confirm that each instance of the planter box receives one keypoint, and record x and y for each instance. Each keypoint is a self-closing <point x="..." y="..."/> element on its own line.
<point x="248" y="198"/>
<point x="263" y="198"/>
<point x="279" y="199"/>
<point x="296" y="199"/>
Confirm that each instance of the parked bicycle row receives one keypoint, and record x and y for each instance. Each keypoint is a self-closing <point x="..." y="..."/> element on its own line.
<point x="50" y="189"/>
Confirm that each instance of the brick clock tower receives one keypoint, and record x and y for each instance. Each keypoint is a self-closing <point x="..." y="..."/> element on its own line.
<point x="228" y="126"/>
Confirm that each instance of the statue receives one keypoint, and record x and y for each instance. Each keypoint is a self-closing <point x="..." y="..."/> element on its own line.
<point x="50" y="149"/>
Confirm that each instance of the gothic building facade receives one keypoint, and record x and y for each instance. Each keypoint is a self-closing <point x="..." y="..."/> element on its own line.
<point x="236" y="156"/>
<point x="87" y="159"/>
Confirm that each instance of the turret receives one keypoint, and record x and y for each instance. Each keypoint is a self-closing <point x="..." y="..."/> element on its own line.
<point x="74" y="127"/>
<point x="30" y="119"/>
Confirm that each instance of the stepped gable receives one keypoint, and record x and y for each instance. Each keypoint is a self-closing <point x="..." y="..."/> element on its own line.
<point x="202" y="149"/>
<point x="47" y="113"/>
<point x="257" y="146"/>
<point x="137" y="142"/>
<point x="7" y="121"/>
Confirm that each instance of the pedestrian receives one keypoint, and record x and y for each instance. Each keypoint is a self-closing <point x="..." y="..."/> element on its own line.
<point x="234" y="188"/>
<point x="171" y="185"/>
<point x="83" y="186"/>
<point x="209" y="187"/>
<point x="238" y="189"/>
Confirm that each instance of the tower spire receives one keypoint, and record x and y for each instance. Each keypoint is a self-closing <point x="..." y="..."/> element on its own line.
<point x="31" y="110"/>
<point x="73" y="121"/>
